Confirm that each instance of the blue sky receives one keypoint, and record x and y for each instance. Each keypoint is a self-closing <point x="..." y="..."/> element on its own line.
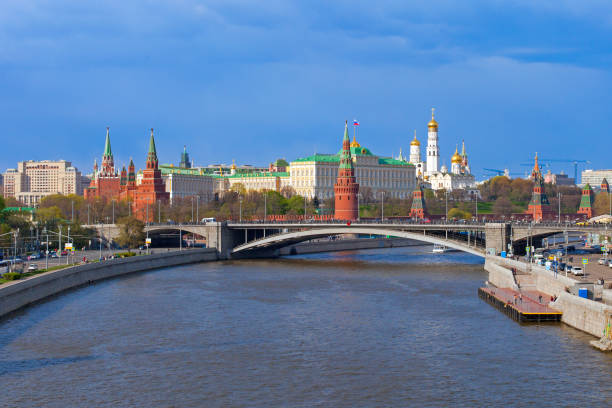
<point x="254" y="81"/>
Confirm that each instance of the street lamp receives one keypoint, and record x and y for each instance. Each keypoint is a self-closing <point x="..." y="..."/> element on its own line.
<point x="192" y="209"/>
<point x="265" y="206"/>
<point x="158" y="211"/>
<point x="113" y="211"/>
<point x="240" y="199"/>
<point x="446" y="203"/>
<point x="45" y="232"/>
<point x="197" y="208"/>
<point x="382" y="209"/>
<point x="559" y="197"/>
<point x="358" y="207"/>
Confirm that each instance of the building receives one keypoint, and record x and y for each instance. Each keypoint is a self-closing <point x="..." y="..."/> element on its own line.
<point x="346" y="187"/>
<point x="433" y="150"/>
<point x="539" y="207"/>
<point x="417" y="210"/>
<point x="151" y="188"/>
<point x="31" y="181"/>
<point x="560" y="179"/>
<point x="594" y="177"/>
<point x="185" y="162"/>
<point x="586" y="201"/>
<point x="316" y="175"/>
<point x="188" y="182"/>
<point x="438" y="177"/>
<point x="254" y="181"/>
<point x="105" y="182"/>
<point x="604" y="187"/>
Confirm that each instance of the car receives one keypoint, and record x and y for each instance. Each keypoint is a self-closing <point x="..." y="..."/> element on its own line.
<point x="577" y="271"/>
<point x="32" y="268"/>
<point x="64" y="253"/>
<point x="601" y="261"/>
<point x="53" y="255"/>
<point x="610" y="263"/>
<point x="562" y="266"/>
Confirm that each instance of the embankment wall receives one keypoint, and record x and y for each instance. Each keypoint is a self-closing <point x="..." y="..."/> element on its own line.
<point x="17" y="294"/>
<point x="583" y="314"/>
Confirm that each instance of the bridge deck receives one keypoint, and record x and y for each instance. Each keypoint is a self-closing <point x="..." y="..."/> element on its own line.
<point x="527" y="310"/>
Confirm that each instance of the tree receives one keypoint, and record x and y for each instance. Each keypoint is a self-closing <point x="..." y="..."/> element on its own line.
<point x="602" y="204"/>
<point x="131" y="232"/>
<point x="456" y="213"/>
<point x="502" y="206"/>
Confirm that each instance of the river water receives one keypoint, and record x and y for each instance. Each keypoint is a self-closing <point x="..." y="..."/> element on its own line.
<point x="389" y="327"/>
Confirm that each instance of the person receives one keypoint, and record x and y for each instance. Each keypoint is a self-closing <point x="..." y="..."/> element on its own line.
<point x="540" y="298"/>
<point x="521" y="298"/>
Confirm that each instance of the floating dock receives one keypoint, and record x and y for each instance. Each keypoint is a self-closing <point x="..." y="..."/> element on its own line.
<point x="527" y="310"/>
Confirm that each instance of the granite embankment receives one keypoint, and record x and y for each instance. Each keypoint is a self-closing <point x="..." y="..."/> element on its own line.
<point x="583" y="314"/>
<point x="17" y="294"/>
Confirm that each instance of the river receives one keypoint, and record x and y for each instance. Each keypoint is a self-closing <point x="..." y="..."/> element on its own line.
<point x="388" y="327"/>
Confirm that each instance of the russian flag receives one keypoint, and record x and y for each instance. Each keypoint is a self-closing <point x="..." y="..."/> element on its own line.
<point x="355" y="122"/>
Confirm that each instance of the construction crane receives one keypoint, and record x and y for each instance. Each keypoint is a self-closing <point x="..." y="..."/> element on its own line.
<point x="499" y="172"/>
<point x="575" y="162"/>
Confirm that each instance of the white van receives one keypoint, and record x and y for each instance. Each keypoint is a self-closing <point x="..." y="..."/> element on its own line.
<point x="205" y="220"/>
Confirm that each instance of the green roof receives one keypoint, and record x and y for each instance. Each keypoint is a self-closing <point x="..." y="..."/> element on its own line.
<point x="107" y="145"/>
<point x="318" y="157"/>
<point x="359" y="151"/>
<point x="269" y="174"/>
<point x="393" y="162"/>
<point x="18" y="209"/>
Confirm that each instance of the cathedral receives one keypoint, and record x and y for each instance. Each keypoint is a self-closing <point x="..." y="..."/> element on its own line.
<point x="431" y="173"/>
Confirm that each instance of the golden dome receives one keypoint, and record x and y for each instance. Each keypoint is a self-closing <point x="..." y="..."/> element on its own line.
<point x="354" y="143"/>
<point x="432" y="123"/>
<point x="456" y="159"/>
<point x="233" y="167"/>
<point x="415" y="142"/>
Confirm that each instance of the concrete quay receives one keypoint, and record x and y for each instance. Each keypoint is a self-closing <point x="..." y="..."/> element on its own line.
<point x="17" y="294"/>
<point x="593" y="317"/>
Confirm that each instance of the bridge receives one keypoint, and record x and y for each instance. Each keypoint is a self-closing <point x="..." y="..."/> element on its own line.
<point x="256" y="239"/>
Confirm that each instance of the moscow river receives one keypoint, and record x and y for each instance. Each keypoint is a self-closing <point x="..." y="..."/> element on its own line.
<point x="376" y="328"/>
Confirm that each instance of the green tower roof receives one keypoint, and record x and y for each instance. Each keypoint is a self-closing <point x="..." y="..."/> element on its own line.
<point x="107" y="146"/>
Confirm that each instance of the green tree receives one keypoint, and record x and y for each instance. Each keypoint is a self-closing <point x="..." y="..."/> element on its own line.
<point x="456" y="213"/>
<point x="131" y="232"/>
<point x="502" y="206"/>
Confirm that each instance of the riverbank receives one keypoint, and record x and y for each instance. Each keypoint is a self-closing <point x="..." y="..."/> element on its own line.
<point x="17" y="294"/>
<point x="583" y="314"/>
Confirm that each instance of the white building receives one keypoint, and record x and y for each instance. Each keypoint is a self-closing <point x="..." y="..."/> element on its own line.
<point x="315" y="176"/>
<point x="592" y="177"/>
<point x="433" y="150"/>
<point x="33" y="180"/>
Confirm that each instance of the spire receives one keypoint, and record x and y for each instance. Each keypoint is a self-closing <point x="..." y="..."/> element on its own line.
<point x="463" y="154"/>
<point x="152" y="155"/>
<point x="107" y="145"/>
<point x="152" y="149"/>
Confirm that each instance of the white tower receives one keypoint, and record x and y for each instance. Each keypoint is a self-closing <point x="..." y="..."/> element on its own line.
<point x="433" y="151"/>
<point x="456" y="162"/>
<point x="415" y="150"/>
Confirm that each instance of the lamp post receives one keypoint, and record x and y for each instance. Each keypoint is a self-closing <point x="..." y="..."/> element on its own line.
<point x="45" y="232"/>
<point x="87" y="213"/>
<point x="192" y="209"/>
<point x="382" y="207"/>
<point x="446" y="205"/>
<point x="113" y="211"/>
<point x="180" y="237"/>
<point x="67" y="241"/>
<point x="358" y="207"/>
<point x="108" y="243"/>
<point x="159" y="211"/>
<point x="100" y="240"/>
<point x="304" y="207"/>
<point x="198" y="209"/>
<point x="59" y="245"/>
<point x="559" y="197"/>
<point x="476" y="207"/>
<point x="240" y="214"/>
<point x="72" y="214"/>
<point x="265" y="206"/>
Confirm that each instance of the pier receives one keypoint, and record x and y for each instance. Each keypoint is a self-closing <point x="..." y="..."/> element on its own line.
<point x="525" y="309"/>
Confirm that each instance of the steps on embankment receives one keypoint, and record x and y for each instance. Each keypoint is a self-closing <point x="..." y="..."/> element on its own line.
<point x="17" y="294"/>
<point x="583" y="314"/>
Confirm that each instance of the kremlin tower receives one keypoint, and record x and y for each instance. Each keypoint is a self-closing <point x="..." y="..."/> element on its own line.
<point x="105" y="181"/>
<point x="605" y="187"/>
<point x="418" y="203"/>
<point x="586" y="201"/>
<point x="415" y="156"/>
<point x="433" y="150"/>
<point x="539" y="207"/>
<point x="152" y="187"/>
<point x="346" y="187"/>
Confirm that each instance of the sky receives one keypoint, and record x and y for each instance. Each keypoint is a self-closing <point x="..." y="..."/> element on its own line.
<point x="254" y="81"/>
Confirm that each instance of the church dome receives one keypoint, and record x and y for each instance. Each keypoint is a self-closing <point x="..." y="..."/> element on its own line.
<point x="456" y="159"/>
<point x="415" y="142"/>
<point x="432" y="125"/>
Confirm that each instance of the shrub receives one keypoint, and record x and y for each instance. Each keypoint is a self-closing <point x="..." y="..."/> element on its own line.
<point x="11" y="276"/>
